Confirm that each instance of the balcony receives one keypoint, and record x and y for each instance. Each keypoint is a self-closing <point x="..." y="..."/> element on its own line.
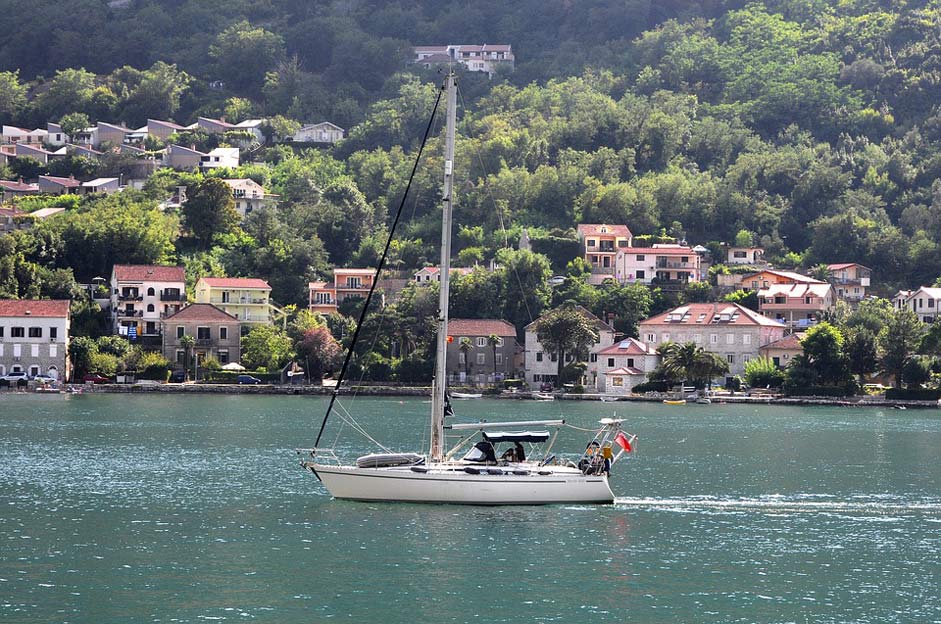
<point x="663" y="264"/>
<point x="130" y="313"/>
<point x="130" y="297"/>
<point x="238" y="301"/>
<point x="203" y="342"/>
<point x="799" y="305"/>
<point x="170" y="296"/>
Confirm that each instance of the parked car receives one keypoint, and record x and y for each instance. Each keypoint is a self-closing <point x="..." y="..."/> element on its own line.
<point x="15" y="376"/>
<point x="95" y="378"/>
<point x="43" y="378"/>
<point x="178" y="376"/>
<point x="546" y="387"/>
<point x="247" y="379"/>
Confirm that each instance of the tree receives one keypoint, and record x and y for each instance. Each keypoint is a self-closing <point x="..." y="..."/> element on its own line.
<point x="319" y="352"/>
<point x="860" y="350"/>
<point x="691" y="362"/>
<point x="566" y="329"/>
<point x="73" y="123"/>
<point x="266" y="347"/>
<point x="494" y="341"/>
<point x="244" y="54"/>
<point x="210" y="210"/>
<point x="12" y="95"/>
<point x="823" y="351"/>
<point x="898" y="341"/>
<point x="465" y="348"/>
<point x="187" y="342"/>
<point x="762" y="372"/>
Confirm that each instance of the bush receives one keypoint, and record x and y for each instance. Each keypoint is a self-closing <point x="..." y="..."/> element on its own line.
<point x="912" y="394"/>
<point x="763" y="373"/>
<point x="848" y="389"/>
<point x="651" y="386"/>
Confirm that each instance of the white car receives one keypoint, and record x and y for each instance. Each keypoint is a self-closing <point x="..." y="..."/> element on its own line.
<point x="15" y="376"/>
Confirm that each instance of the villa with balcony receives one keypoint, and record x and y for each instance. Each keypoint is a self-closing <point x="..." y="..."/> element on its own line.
<point x="850" y="280"/>
<point x="325" y="297"/>
<point x="797" y="306"/>
<point x="247" y="299"/>
<point x="600" y="245"/>
<point x="664" y="265"/>
<point x="142" y="295"/>
<point x="216" y="334"/>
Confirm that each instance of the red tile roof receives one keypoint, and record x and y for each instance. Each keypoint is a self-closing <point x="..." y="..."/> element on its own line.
<point x="790" y="342"/>
<point x="48" y="308"/>
<point x="630" y="370"/>
<point x="480" y="327"/>
<point x="69" y="182"/>
<point x="235" y="282"/>
<point x="594" y="229"/>
<point x="202" y="312"/>
<point x="12" y="212"/>
<point x="13" y="185"/>
<point x="628" y="346"/>
<point x="845" y="265"/>
<point x="658" y="251"/>
<point x="690" y="315"/>
<point x="149" y="273"/>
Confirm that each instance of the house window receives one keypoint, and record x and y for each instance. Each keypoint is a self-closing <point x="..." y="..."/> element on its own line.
<point x="641" y="275"/>
<point x="150" y="307"/>
<point x="481" y="358"/>
<point x="591" y="242"/>
<point x="17" y="332"/>
<point x="53" y="350"/>
<point x="223" y="356"/>
<point x="499" y="342"/>
<point x="713" y="338"/>
<point x="931" y="303"/>
<point x="610" y="362"/>
<point x="35" y="332"/>
<point x="539" y="356"/>
<point x="593" y="357"/>
<point x="150" y="292"/>
<point x="630" y="362"/>
<point x="746" y="339"/>
<point x="746" y="359"/>
<point x="1" y="331"/>
<point x="651" y="337"/>
<point x="731" y="358"/>
<point x="499" y="359"/>
<point x="553" y="357"/>
<point x="697" y="338"/>
<point x="481" y="341"/>
<point x="461" y="358"/>
<point x="180" y="354"/>
<point x="180" y="331"/>
<point x="640" y="258"/>
<point x="53" y="332"/>
<point x="223" y="333"/>
<point x="617" y="381"/>
<point x="202" y="333"/>
<point x="730" y="339"/>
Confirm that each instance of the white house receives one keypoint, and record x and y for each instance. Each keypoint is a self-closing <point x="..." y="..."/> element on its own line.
<point x="323" y="132"/>
<point x="34" y="337"/>
<point x="665" y="263"/>
<point x="101" y="185"/>
<point x="925" y="302"/>
<point x="483" y="58"/>
<point x="248" y="195"/>
<point x="13" y="134"/>
<point x="220" y="157"/>
<point x="143" y="294"/>
<point x="625" y="364"/>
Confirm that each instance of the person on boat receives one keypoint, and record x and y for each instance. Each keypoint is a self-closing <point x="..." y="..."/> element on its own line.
<point x="514" y="454"/>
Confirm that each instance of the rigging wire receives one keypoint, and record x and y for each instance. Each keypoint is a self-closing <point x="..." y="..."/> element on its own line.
<point x="382" y="260"/>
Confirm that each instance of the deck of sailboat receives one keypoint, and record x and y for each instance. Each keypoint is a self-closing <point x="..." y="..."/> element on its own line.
<point x="524" y="483"/>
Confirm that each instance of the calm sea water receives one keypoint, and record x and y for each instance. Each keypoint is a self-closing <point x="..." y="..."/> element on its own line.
<point x="192" y="508"/>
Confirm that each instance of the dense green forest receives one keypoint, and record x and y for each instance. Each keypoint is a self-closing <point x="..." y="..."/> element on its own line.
<point x="812" y="126"/>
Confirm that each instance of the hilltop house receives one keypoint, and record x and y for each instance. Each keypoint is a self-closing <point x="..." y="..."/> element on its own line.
<point x="34" y="337"/>
<point x="667" y="264"/>
<point x="479" y="362"/>
<point x="324" y="297"/>
<point x="161" y="130"/>
<point x="323" y="132"/>
<point x="924" y="302"/>
<point x="745" y="255"/>
<point x="796" y="305"/>
<point x="483" y="58"/>
<point x="850" y="280"/>
<point x="52" y="185"/>
<point x="427" y="275"/>
<point x="248" y="195"/>
<point x="14" y="134"/>
<point x="730" y="330"/>
<point x="542" y="366"/>
<point x="141" y="295"/>
<point x="600" y="244"/>
<point x="15" y="188"/>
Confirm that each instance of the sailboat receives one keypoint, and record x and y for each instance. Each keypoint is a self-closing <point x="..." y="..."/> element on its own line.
<point x="470" y="472"/>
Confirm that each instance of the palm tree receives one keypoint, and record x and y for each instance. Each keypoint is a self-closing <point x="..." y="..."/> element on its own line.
<point x="187" y="342"/>
<point x="465" y="347"/>
<point x="494" y="341"/>
<point x="690" y="362"/>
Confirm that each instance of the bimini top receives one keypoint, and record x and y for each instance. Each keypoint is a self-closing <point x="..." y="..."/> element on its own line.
<point x="515" y="436"/>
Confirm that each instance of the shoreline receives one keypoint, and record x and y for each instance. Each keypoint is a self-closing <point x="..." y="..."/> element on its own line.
<point x="306" y="390"/>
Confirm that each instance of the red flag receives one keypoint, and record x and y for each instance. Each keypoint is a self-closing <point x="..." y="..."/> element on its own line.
<point x="623" y="442"/>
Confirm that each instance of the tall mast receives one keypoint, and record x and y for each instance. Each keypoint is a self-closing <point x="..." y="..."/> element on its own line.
<point x="439" y="386"/>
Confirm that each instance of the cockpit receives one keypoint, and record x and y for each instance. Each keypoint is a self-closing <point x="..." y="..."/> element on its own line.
<point x="509" y="445"/>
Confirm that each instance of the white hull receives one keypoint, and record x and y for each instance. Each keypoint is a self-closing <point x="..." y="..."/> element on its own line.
<point x="449" y="483"/>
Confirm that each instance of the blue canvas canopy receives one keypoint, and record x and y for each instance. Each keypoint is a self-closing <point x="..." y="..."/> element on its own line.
<point x="516" y="436"/>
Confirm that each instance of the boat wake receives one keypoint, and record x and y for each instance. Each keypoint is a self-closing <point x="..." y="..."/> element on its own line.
<point x="781" y="504"/>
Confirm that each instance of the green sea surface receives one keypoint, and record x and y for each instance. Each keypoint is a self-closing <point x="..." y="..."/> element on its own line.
<point x="192" y="508"/>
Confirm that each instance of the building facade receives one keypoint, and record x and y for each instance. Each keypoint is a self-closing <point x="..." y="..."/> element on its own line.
<point x="796" y="305"/>
<point x="324" y="297"/>
<point x="34" y="337"/>
<point x="924" y="302"/>
<point x="216" y="333"/>
<point x="472" y="358"/>
<point x="624" y="365"/>
<point x="247" y="299"/>
<point x="729" y="330"/>
<point x="600" y="244"/>
<point x="850" y="280"/>
<point x="542" y="365"/>
<point x="661" y="264"/>
<point x="142" y="295"/>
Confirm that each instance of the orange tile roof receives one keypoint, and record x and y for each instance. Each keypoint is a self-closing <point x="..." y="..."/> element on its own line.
<point x="203" y="312"/>
<point x="47" y="308"/>
<point x="594" y="229"/>
<point x="690" y="314"/>
<point x="149" y="273"/>
<point x="480" y="327"/>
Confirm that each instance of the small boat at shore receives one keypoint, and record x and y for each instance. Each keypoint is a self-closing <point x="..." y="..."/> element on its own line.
<point x="675" y="401"/>
<point x="704" y="401"/>
<point x="543" y="396"/>
<point x="466" y="395"/>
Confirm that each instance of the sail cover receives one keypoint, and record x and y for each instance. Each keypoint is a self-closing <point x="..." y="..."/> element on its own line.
<point x="516" y="436"/>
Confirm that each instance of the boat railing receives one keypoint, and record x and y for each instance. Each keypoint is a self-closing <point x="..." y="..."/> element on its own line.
<point x="323" y="455"/>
